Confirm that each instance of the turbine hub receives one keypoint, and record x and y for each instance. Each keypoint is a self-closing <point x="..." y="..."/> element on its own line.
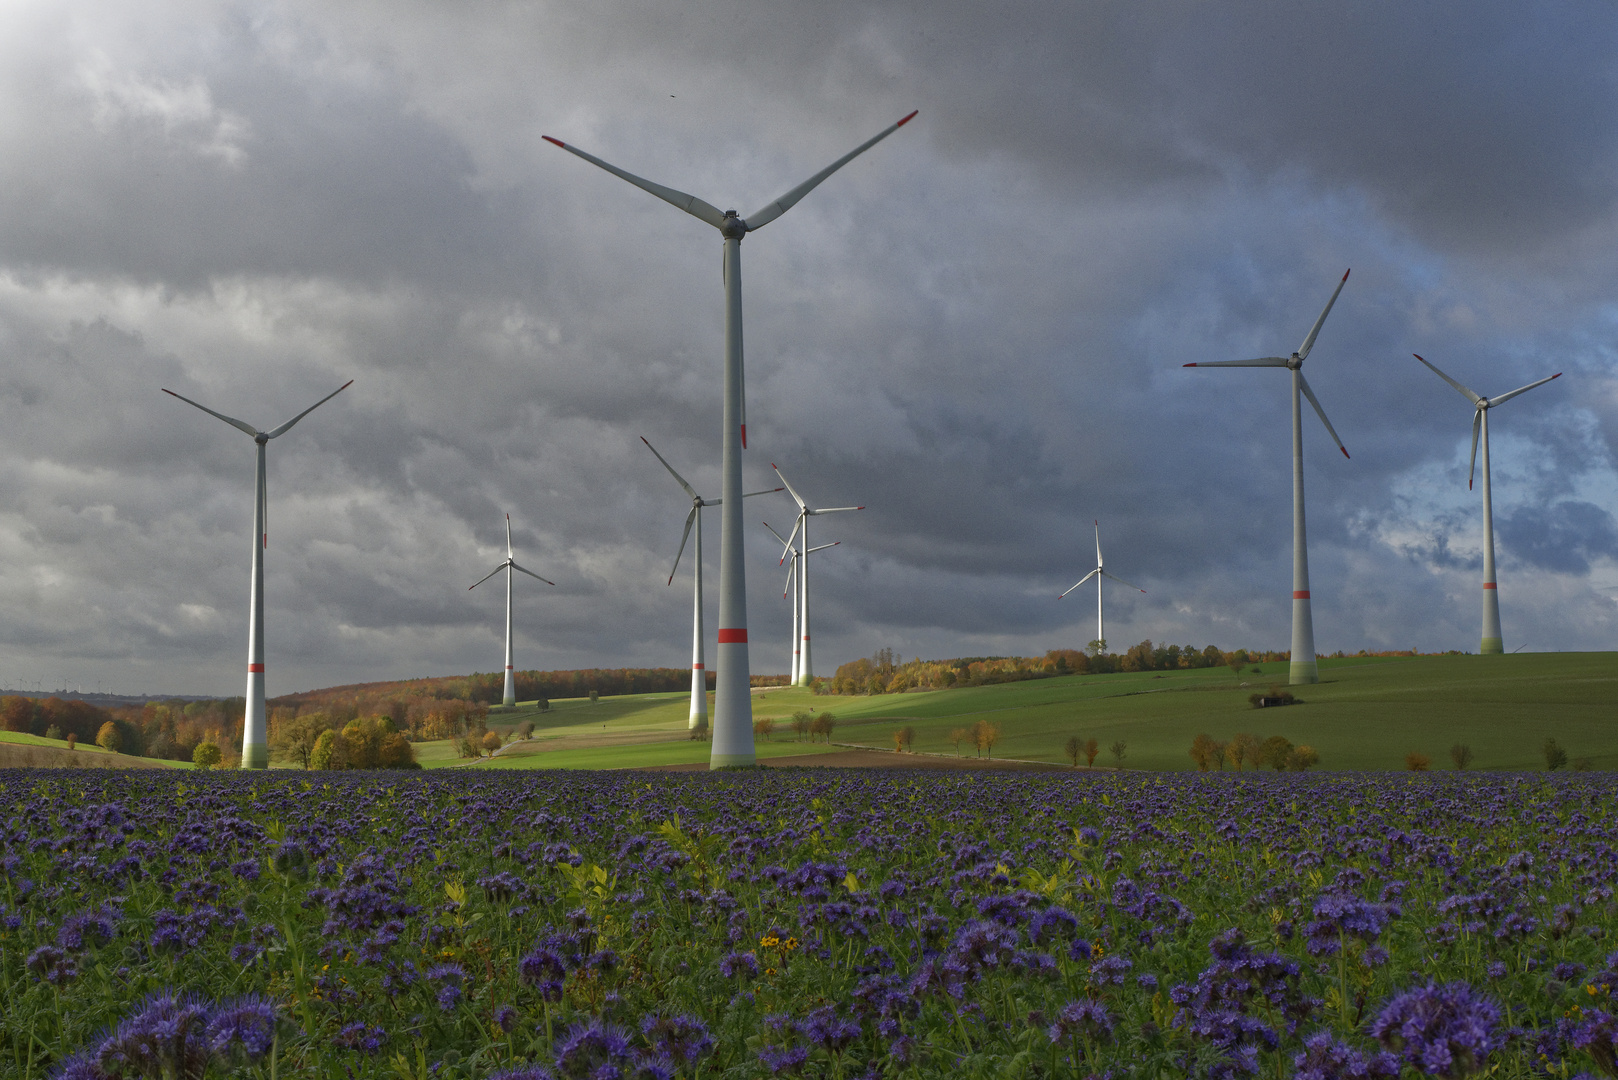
<point x="734" y="227"/>
<point x="1295" y="362"/>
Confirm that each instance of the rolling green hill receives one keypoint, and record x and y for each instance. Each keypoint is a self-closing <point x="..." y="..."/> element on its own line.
<point x="1366" y="713"/>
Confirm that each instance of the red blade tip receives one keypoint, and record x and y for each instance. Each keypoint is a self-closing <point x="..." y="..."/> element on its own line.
<point x="1345" y="452"/>
<point x="1558" y="375"/>
<point x="907" y="119"/>
<point x="1418" y="356"/>
<point x="1346" y="273"/>
<point x="1188" y="365"/>
<point x="558" y="142"/>
<point x="744" y="436"/>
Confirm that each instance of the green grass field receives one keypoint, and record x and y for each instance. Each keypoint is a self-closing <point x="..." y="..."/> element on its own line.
<point x="1366" y="713"/>
<point x="22" y="739"/>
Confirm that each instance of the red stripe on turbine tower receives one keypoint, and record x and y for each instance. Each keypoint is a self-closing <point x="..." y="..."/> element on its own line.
<point x="696" y="667"/>
<point x="1301" y="594"/>
<point x="733" y="637"/>
<point x="255" y="667"/>
<point x="1490" y="585"/>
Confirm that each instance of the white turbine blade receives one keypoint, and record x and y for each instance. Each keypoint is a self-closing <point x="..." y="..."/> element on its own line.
<point x="1120" y="580"/>
<point x="286" y="427"/>
<point x="1082" y="580"/>
<point x="509" y="552"/>
<point x="485" y="577"/>
<point x="531" y="574"/>
<point x="766" y="491"/>
<point x="689" y="203"/>
<point x="823" y="547"/>
<point x="1263" y="361"/>
<point x="775" y="534"/>
<point x="1477" y="426"/>
<point x="677" y="477"/>
<point x="1099" y="562"/>
<point x="264" y="509"/>
<point x="689" y="519"/>
<point x="1303" y="384"/>
<point x="786" y="590"/>
<point x="767" y="214"/>
<point x="795" y="496"/>
<point x="1522" y="390"/>
<point x="1469" y="395"/>
<point x="791" y="536"/>
<point x="231" y="420"/>
<point x="832" y="509"/>
<point x="1309" y="342"/>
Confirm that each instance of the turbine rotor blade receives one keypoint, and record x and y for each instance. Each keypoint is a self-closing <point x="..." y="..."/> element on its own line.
<point x="1522" y="390"/>
<point x="767" y="214"/>
<point x="485" y="577"/>
<point x="1467" y="393"/>
<point x="509" y="552"/>
<point x="823" y="547"/>
<point x="776" y="534"/>
<point x="689" y="519"/>
<point x="677" y="477"/>
<point x="1471" y="468"/>
<point x="286" y="427"/>
<point x="1263" y="361"/>
<point x="832" y="509"/>
<point x="1303" y="384"/>
<point x="1099" y="563"/>
<point x="786" y="590"/>
<point x="689" y="203"/>
<point x="750" y="494"/>
<point x="231" y="420"/>
<point x="1082" y="580"/>
<point x="793" y="535"/>
<point x="531" y="574"/>
<point x="795" y="496"/>
<point x="1309" y="342"/>
<point x="1119" y="580"/>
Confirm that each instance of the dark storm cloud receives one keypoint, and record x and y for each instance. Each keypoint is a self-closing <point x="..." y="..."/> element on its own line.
<point x="976" y="330"/>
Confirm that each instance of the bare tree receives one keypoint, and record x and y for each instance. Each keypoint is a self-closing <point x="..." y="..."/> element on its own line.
<point x="1461" y="754"/>
<point x="1074" y="749"/>
<point x="1118" y="749"/>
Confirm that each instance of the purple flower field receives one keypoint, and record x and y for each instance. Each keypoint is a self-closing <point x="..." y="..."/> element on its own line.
<point x="807" y="923"/>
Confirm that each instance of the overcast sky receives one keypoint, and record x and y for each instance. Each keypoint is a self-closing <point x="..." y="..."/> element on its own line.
<point x="976" y="329"/>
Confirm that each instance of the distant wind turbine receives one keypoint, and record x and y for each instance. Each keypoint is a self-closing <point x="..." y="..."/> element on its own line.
<point x="733" y="705"/>
<point x="805" y="673"/>
<point x="1304" y="667"/>
<point x="510" y="696"/>
<point x="698" y="719"/>
<point x="797" y="557"/>
<point x="1492" y="642"/>
<point x="255" y="742"/>
<point x="1098" y="573"/>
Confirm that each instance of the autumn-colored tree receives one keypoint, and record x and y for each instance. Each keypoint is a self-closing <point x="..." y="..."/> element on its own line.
<point x="395" y="752"/>
<point x="800" y="723"/>
<point x="1274" y="751"/>
<point x="958" y="736"/>
<point x="1203" y="752"/>
<point x="1416" y="761"/>
<point x="72" y="740"/>
<point x="293" y="739"/>
<point x="984" y="736"/>
<point x="1302" y="759"/>
<point x="109" y="738"/>
<point x="205" y="756"/>
<point x="1092" y="750"/>
<point x="763" y="726"/>
<point x="1243" y="750"/>
<point x="491" y="742"/>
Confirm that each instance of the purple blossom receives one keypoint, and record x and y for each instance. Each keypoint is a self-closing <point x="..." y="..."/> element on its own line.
<point x="53" y="965"/>
<point x="736" y="965"/>
<point x="596" y="1050"/>
<point x="1597" y="1035"/>
<point x="1324" y="1058"/>
<point x="246" y="1024"/>
<point x="361" y="1037"/>
<point x="1446" y="1031"/>
<point x="168" y="1036"/>
<point x="1083" y="1019"/>
<point x="683" y="1039"/>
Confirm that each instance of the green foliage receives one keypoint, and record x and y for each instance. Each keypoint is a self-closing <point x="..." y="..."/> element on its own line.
<point x="206" y="755"/>
<point x="328" y="752"/>
<point x="1555" y="756"/>
<point x="109" y="738"/>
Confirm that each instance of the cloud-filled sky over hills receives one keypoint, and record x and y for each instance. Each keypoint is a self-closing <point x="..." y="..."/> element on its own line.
<point x="976" y="329"/>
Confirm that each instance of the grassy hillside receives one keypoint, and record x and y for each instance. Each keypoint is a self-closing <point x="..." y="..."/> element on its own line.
<point x="1365" y="714"/>
<point x="22" y="751"/>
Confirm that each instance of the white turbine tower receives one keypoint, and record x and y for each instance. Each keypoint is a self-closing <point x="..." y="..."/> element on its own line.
<point x="1098" y="573"/>
<point x="797" y="556"/>
<point x="698" y="719"/>
<point x="510" y="696"/>
<point x="733" y="706"/>
<point x="1304" y="667"/>
<point x="1493" y="642"/>
<point x="806" y="671"/>
<point x="255" y="742"/>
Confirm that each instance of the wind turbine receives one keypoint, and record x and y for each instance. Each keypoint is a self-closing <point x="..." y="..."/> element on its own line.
<point x="805" y="672"/>
<point x="1098" y="573"/>
<point x="699" y="675"/>
<point x="510" y="697"/>
<point x="255" y="743"/>
<point x="1492" y="639"/>
<point x="797" y="654"/>
<point x="1304" y="667"/>
<point x="733" y="705"/>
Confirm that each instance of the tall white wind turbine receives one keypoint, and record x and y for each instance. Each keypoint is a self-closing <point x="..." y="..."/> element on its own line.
<point x="510" y="696"/>
<point x="797" y="556"/>
<point x="1098" y="573"/>
<point x="733" y="706"/>
<point x="1304" y="667"/>
<point x="255" y="740"/>
<point x="1493" y="641"/>
<point x="805" y="673"/>
<point x="698" y="719"/>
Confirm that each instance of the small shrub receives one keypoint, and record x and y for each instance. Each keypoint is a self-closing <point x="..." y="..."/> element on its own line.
<point x="492" y="741"/>
<point x="1118" y="749"/>
<point x="542" y="704"/>
<point x="205" y="756"/>
<point x="763" y="726"/>
<point x="53" y="732"/>
<point x="526" y="729"/>
<point x="72" y="740"/>
<point x="1302" y="759"/>
<point x="1555" y="756"/>
<point x="595" y="696"/>
<point x="905" y="738"/>
<point x="1418" y="762"/>
<point x="1074" y="749"/>
<point x="1583" y="764"/>
<point x="1092" y="750"/>
<point x="1461" y="754"/>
